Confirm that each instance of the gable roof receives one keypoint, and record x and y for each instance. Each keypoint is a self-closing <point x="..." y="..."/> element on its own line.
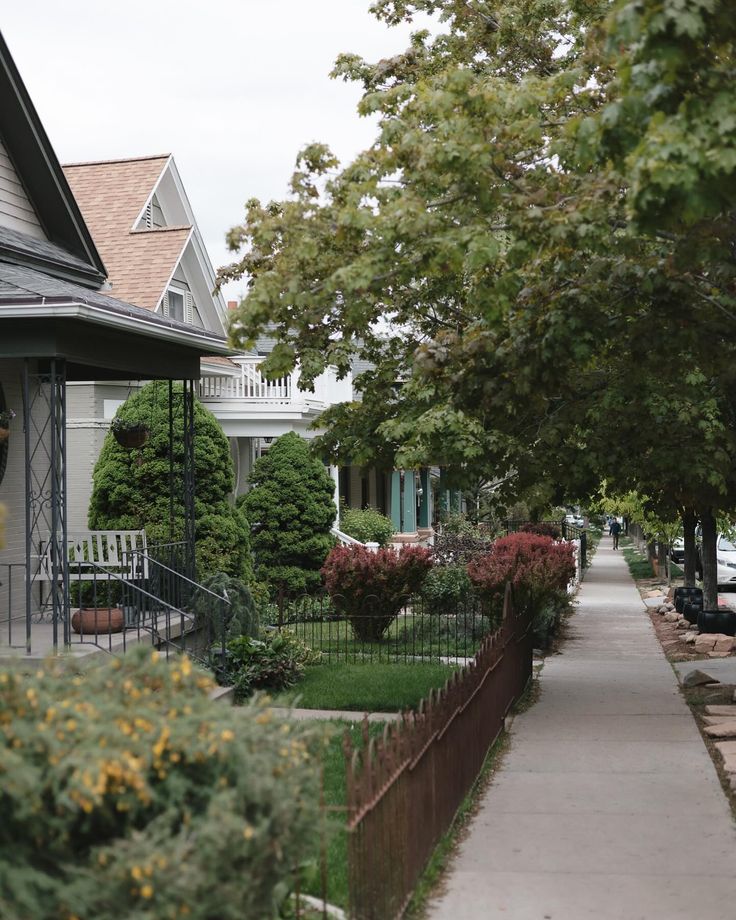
<point x="111" y="195"/>
<point x="46" y="187"/>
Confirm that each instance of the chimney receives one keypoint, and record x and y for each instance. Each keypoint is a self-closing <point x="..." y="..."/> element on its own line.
<point x="232" y="305"/>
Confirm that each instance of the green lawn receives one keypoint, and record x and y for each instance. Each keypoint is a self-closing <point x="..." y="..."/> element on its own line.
<point x="375" y="687"/>
<point x="409" y="636"/>
<point x="335" y="793"/>
<point x="639" y="565"/>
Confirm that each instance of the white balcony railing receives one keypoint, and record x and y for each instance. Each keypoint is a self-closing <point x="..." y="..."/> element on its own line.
<point x="252" y="386"/>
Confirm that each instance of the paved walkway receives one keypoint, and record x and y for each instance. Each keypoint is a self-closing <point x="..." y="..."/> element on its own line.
<point x="607" y="805"/>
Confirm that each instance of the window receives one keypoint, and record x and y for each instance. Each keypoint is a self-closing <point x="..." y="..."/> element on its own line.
<point x="179" y="305"/>
<point x="176" y="305"/>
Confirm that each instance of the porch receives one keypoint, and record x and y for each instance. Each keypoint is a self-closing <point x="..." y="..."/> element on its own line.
<point x="44" y="345"/>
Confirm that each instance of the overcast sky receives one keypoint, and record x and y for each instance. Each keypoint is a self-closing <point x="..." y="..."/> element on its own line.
<point x="233" y="88"/>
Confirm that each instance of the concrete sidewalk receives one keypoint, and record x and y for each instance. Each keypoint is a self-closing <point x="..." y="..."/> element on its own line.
<point x="607" y="805"/>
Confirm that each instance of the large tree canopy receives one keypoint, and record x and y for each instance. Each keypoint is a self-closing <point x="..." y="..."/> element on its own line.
<point x="544" y="217"/>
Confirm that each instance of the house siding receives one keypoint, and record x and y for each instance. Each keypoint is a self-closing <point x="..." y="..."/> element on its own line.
<point x="16" y="210"/>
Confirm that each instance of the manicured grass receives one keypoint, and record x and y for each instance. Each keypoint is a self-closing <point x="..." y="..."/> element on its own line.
<point x="410" y="635"/>
<point x="335" y="796"/>
<point x="367" y="686"/>
<point x="639" y="565"/>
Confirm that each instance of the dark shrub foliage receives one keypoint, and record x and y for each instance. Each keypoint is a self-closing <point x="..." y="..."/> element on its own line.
<point x="370" y="588"/>
<point x="543" y="529"/>
<point x="537" y="567"/>
<point x="291" y="508"/>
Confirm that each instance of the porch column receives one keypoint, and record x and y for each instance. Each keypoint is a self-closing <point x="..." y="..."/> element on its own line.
<point x="444" y="496"/>
<point x="396" y="500"/>
<point x="425" y="502"/>
<point x="335" y="474"/>
<point x="410" y="501"/>
<point x="189" y="485"/>
<point x="456" y="501"/>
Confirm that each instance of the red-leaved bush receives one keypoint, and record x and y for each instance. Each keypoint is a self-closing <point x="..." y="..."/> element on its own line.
<point x="536" y="566"/>
<point x="370" y="588"/>
<point x="543" y="528"/>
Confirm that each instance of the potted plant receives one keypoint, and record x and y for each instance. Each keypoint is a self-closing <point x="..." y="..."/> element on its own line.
<point x="129" y="434"/>
<point x="6" y="417"/>
<point x="99" y="612"/>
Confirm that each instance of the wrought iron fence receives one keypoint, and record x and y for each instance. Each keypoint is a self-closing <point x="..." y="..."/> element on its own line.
<point x="412" y="631"/>
<point x="404" y="788"/>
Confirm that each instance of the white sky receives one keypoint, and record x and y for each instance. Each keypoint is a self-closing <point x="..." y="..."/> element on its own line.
<point x="233" y="88"/>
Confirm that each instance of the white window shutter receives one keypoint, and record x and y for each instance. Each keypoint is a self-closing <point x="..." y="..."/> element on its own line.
<point x="188" y="308"/>
<point x="165" y="304"/>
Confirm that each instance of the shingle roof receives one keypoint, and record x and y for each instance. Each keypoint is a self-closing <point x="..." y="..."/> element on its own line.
<point x="111" y="195"/>
<point x="20" y="284"/>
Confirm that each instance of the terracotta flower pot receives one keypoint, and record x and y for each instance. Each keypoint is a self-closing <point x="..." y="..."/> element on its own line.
<point x="95" y="620"/>
<point x="4" y="434"/>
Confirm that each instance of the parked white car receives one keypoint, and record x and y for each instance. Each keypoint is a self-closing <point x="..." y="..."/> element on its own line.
<point x="726" y="558"/>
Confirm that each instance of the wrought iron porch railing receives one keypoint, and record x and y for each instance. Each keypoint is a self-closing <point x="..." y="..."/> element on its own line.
<point x="164" y="607"/>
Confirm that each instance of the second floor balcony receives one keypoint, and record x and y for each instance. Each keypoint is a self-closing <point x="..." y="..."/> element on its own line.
<point x="247" y="404"/>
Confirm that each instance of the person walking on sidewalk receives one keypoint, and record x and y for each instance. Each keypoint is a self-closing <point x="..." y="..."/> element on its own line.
<point x="615" y="532"/>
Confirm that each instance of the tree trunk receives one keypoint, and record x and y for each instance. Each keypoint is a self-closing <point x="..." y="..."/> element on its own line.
<point x="689" y="519"/>
<point x="662" y="559"/>
<point x="710" y="566"/>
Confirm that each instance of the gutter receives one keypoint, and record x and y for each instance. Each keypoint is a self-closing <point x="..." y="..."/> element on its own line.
<point x="120" y="318"/>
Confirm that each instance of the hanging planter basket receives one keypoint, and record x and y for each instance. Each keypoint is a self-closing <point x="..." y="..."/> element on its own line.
<point x="132" y="437"/>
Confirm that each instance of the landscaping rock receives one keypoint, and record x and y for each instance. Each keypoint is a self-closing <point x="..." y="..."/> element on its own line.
<point x="690" y="636"/>
<point x="705" y="643"/>
<point x="721" y="710"/>
<point x="727" y="749"/>
<point x="671" y="617"/>
<point x="721" y="730"/>
<point x="683" y="624"/>
<point x="669" y="606"/>
<point x="654" y="592"/>
<point x="723" y="643"/>
<point x="719" y="654"/>
<point x="698" y="678"/>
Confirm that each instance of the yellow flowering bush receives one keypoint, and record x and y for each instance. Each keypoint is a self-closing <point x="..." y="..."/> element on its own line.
<point x="125" y="792"/>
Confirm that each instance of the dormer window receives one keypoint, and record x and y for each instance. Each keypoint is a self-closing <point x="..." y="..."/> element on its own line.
<point x="178" y="304"/>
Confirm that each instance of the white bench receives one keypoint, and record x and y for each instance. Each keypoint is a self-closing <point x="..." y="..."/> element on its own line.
<point x="122" y="552"/>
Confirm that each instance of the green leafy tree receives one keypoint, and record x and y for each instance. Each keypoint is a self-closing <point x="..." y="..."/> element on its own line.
<point x="290" y="504"/>
<point x="131" y="487"/>
<point x="545" y="214"/>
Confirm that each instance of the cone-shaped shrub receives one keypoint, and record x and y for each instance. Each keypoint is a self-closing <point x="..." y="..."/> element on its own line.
<point x="291" y="508"/>
<point x="131" y="487"/>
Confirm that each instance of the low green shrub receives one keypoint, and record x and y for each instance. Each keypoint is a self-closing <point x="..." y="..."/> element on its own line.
<point x="275" y="662"/>
<point x="547" y="619"/>
<point x="368" y="525"/>
<point x="462" y="629"/>
<point x="238" y="615"/>
<point x="446" y="589"/>
<point x="126" y="792"/>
